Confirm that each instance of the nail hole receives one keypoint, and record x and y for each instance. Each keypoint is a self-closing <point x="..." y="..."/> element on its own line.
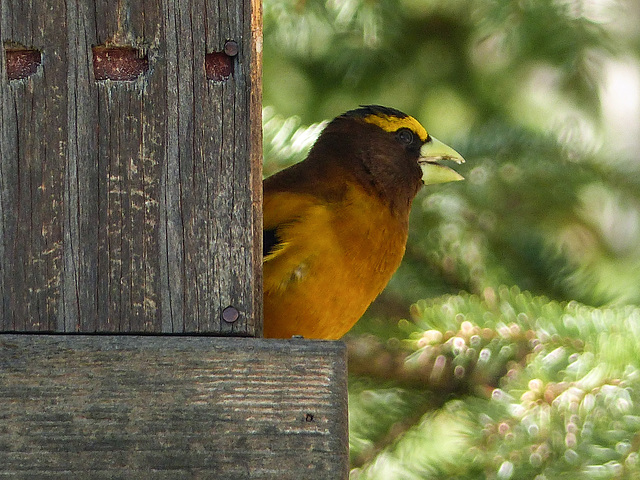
<point x="218" y="65"/>
<point x="308" y="417"/>
<point x="21" y="62"/>
<point x="122" y="64"/>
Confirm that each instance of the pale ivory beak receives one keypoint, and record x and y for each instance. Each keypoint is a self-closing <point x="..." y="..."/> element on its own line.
<point x="432" y="152"/>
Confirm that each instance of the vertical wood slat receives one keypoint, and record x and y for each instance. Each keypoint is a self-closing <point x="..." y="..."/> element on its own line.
<point x="172" y="407"/>
<point x="130" y="206"/>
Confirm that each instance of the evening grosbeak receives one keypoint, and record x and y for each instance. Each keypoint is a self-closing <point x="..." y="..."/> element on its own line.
<point x="336" y="224"/>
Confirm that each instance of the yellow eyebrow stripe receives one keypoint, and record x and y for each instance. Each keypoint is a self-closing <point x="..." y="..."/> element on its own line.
<point x="393" y="124"/>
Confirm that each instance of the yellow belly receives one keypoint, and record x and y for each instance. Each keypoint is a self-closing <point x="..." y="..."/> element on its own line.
<point x="334" y="262"/>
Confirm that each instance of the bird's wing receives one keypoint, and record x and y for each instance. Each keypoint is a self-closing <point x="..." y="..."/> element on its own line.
<point x="297" y="228"/>
<point x="282" y="211"/>
<point x="270" y="241"/>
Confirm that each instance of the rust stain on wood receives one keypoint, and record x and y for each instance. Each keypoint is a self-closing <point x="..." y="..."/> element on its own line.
<point x="22" y="62"/>
<point x="219" y="66"/>
<point x="118" y="63"/>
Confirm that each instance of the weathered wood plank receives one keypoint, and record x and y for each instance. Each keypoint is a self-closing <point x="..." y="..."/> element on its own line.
<point x="130" y="206"/>
<point x="32" y="261"/>
<point x="172" y="407"/>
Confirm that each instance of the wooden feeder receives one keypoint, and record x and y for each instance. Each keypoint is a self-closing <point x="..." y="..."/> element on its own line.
<point x="130" y="254"/>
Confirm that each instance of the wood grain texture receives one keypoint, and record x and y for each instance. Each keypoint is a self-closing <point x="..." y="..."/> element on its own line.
<point x="131" y="206"/>
<point x="172" y="407"/>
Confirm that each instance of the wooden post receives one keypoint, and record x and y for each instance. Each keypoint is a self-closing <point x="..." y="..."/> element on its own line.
<point x="130" y="166"/>
<point x="130" y="204"/>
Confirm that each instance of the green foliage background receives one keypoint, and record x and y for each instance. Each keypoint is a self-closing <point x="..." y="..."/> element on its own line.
<point x="507" y="344"/>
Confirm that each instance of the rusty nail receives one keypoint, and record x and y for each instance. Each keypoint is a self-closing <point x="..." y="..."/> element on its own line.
<point x="230" y="314"/>
<point x="231" y="48"/>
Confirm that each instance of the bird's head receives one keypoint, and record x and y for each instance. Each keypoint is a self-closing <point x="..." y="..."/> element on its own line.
<point x="388" y="150"/>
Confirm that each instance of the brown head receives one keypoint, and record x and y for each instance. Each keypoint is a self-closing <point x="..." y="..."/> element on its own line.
<point x="386" y="151"/>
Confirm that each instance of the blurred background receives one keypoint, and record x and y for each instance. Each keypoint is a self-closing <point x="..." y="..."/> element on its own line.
<point x="507" y="344"/>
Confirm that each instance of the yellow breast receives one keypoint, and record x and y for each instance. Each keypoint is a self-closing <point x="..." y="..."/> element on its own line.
<point x="334" y="261"/>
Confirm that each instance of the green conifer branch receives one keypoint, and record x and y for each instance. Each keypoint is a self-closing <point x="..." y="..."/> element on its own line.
<point x="555" y="393"/>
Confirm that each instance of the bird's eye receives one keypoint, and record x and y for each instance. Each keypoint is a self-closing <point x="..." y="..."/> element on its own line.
<point x="405" y="136"/>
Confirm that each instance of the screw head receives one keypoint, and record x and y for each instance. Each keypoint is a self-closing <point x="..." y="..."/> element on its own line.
<point x="230" y="314"/>
<point x="231" y="48"/>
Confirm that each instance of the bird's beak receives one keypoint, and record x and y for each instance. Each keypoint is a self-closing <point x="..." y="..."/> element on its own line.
<point x="433" y="152"/>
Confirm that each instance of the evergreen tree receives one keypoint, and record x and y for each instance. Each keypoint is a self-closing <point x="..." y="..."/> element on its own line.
<point x="507" y="344"/>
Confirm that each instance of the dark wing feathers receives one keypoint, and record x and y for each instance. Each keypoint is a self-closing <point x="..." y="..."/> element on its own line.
<point x="270" y="241"/>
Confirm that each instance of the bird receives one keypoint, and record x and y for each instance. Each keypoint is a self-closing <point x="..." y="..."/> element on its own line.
<point x="335" y="225"/>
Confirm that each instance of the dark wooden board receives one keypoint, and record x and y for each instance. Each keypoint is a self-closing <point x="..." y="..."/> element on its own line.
<point x="77" y="406"/>
<point x="130" y="206"/>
